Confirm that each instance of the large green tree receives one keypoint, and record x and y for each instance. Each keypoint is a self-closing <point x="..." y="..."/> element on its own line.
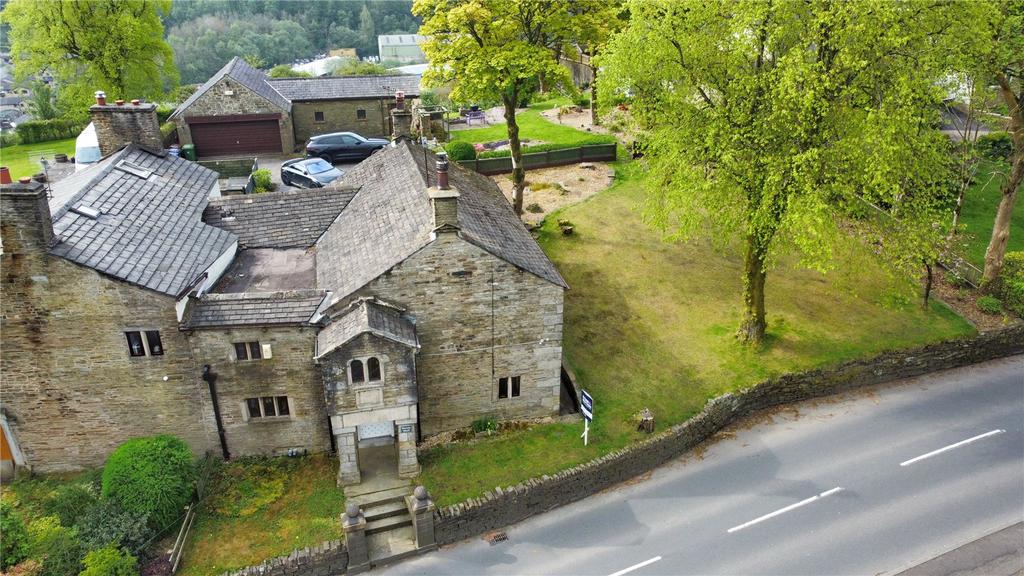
<point x="115" y="46"/>
<point x="773" y="122"/>
<point x="494" y="48"/>
<point x="1004" y="61"/>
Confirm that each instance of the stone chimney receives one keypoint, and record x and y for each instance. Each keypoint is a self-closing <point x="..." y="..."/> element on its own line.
<point x="443" y="199"/>
<point x="401" y="119"/>
<point x="119" y="124"/>
<point x="25" y="223"/>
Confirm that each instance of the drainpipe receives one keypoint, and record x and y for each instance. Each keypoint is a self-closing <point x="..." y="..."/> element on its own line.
<point x="211" y="379"/>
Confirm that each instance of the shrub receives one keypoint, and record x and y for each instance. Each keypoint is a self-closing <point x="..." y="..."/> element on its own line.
<point x="45" y="130"/>
<point x="184" y="92"/>
<point x="261" y="181"/>
<point x="57" y="546"/>
<point x="151" y="475"/>
<point x="14" y="541"/>
<point x="9" y="139"/>
<point x="485" y="424"/>
<point x="459" y="150"/>
<point x="995" y="145"/>
<point x="989" y="304"/>
<point x="110" y="561"/>
<point x="1012" y="282"/>
<point x="534" y="208"/>
<point x="286" y="71"/>
<point x="582" y="101"/>
<point x="168" y="133"/>
<point x="163" y="112"/>
<point x="107" y="523"/>
<point x="69" y="502"/>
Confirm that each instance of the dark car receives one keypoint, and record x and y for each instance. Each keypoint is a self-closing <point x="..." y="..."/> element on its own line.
<point x="340" y="146"/>
<point x="309" y="173"/>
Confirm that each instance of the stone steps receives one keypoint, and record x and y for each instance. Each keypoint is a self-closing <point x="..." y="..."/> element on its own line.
<point x="386" y="509"/>
<point x="368" y="499"/>
<point x="388" y="523"/>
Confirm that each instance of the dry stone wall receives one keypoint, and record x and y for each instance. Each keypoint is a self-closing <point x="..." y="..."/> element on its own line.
<point x="327" y="559"/>
<point x="503" y="507"/>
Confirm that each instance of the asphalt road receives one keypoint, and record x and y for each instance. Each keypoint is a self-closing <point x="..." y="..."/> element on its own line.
<point x="869" y="483"/>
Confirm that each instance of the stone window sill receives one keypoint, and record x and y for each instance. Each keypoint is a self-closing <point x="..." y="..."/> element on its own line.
<point x="270" y="419"/>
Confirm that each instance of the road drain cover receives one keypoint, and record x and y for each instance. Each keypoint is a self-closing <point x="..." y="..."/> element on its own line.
<point x="496" y="537"/>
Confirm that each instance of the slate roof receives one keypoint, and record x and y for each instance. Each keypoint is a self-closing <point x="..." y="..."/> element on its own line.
<point x="390" y="218"/>
<point x="278" y="219"/>
<point x="366" y="316"/>
<point x="149" y="231"/>
<point x="240" y="71"/>
<point x="346" y="87"/>
<point x="248" y="309"/>
<point x="486" y="218"/>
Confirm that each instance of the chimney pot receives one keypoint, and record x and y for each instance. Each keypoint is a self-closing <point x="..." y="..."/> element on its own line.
<point x="25" y="180"/>
<point x="119" y="102"/>
<point x="442" y="171"/>
<point x="136" y="102"/>
<point x="101" y="98"/>
<point x="5" y="175"/>
<point x="399" y="100"/>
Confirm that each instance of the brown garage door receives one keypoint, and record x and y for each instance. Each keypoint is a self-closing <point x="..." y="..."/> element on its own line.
<point x="224" y="138"/>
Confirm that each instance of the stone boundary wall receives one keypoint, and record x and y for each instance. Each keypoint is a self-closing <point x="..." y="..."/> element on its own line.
<point x="326" y="559"/>
<point x="504" y="507"/>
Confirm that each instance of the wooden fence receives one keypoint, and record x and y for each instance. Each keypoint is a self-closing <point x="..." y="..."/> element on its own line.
<point x="594" y="153"/>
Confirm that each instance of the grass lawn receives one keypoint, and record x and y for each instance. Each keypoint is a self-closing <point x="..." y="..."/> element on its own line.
<point x="260" y="508"/>
<point x="17" y="157"/>
<point x="979" y="212"/>
<point x="650" y="324"/>
<point x="532" y="126"/>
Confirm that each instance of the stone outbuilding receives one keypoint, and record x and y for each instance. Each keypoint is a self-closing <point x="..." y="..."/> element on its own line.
<point x="239" y="110"/>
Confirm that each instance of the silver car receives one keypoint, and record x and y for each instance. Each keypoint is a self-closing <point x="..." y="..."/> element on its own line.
<point x="309" y="173"/>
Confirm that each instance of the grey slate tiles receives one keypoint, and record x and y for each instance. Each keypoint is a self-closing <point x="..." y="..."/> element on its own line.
<point x="149" y="232"/>
<point x="390" y="218"/>
<point x="249" y="309"/>
<point x="244" y="74"/>
<point x="278" y="219"/>
<point x="346" y="87"/>
<point x="366" y="315"/>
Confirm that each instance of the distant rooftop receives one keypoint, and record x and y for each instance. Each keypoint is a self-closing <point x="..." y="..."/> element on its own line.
<point x="346" y="87"/>
<point x="400" y="39"/>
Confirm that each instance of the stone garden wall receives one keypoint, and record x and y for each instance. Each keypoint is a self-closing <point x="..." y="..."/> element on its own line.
<point x="504" y="507"/>
<point x="327" y="559"/>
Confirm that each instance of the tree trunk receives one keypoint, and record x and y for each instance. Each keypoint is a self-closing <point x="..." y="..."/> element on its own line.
<point x="594" y="119"/>
<point x="754" y="323"/>
<point x="518" y="171"/>
<point x="927" y="283"/>
<point x="1001" y="228"/>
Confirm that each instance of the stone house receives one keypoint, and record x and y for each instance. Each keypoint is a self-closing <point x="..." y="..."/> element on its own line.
<point x="405" y="301"/>
<point x="239" y="110"/>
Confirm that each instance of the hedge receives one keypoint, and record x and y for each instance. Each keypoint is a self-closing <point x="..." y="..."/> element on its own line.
<point x="45" y="130"/>
<point x="168" y="133"/>
<point x="585" y="141"/>
<point x="995" y="145"/>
